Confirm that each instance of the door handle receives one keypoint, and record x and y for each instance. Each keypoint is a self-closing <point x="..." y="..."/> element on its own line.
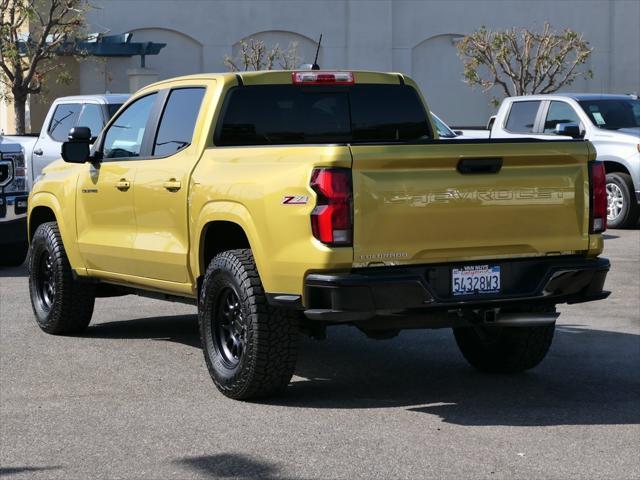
<point x="172" y="185"/>
<point x="37" y="152"/>
<point x="479" y="165"/>
<point x="123" y="185"/>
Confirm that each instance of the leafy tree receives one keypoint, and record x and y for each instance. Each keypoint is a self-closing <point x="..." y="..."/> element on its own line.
<point x="522" y="62"/>
<point x="32" y="35"/>
<point x="255" y="55"/>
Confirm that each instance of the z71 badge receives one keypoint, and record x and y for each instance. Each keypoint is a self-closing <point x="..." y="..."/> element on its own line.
<point x="295" y="200"/>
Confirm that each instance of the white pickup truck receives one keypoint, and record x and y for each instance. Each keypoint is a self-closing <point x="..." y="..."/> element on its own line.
<point x="610" y="122"/>
<point x="22" y="158"/>
<point x="91" y="111"/>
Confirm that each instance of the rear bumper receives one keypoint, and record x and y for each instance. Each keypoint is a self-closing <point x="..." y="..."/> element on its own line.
<point x="537" y="283"/>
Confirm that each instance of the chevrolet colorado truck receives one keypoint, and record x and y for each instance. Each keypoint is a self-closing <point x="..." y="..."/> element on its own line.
<point x="286" y="202"/>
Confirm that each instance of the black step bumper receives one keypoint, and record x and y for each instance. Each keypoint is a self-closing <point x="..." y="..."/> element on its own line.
<point x="527" y="283"/>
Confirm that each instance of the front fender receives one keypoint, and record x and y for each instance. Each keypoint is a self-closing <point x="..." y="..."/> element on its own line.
<point x="66" y="225"/>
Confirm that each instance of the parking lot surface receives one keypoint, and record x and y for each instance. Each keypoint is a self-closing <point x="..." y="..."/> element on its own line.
<point x="132" y="398"/>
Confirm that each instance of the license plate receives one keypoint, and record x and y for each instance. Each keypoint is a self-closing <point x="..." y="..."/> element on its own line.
<point x="475" y="279"/>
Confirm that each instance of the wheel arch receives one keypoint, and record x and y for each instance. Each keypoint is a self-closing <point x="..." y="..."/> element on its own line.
<point x="224" y="226"/>
<point x="612" y="166"/>
<point x="44" y="207"/>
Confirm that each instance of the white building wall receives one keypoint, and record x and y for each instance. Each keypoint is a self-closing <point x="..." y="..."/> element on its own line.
<point x="413" y="37"/>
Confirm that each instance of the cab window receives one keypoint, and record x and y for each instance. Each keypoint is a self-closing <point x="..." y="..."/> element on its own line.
<point x="559" y="112"/>
<point x="124" y="136"/>
<point x="522" y="116"/>
<point x="63" y="120"/>
<point x="178" y="121"/>
<point x="91" y="116"/>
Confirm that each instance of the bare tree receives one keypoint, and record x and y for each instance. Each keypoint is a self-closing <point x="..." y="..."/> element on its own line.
<point x="255" y="55"/>
<point x="32" y="35"/>
<point x="521" y="62"/>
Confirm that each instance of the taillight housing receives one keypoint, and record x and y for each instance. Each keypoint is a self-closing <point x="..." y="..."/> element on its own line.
<point x="315" y="77"/>
<point x="598" y="200"/>
<point x="331" y="219"/>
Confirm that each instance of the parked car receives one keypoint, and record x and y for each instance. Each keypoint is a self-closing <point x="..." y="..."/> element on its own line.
<point x="280" y="202"/>
<point x="13" y="204"/>
<point x="610" y="122"/>
<point x="91" y="111"/>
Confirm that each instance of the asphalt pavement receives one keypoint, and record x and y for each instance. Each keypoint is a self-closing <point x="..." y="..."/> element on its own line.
<point x="131" y="398"/>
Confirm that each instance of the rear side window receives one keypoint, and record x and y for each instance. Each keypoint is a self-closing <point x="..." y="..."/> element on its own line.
<point x="91" y="116"/>
<point x="178" y="120"/>
<point x="290" y="114"/>
<point x="522" y="116"/>
<point x="63" y="120"/>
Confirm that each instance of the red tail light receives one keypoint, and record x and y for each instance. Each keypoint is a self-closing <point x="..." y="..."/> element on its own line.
<point x="598" y="215"/>
<point x="331" y="218"/>
<point x="315" y="77"/>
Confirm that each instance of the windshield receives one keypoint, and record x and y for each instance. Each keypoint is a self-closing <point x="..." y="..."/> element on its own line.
<point x="443" y="129"/>
<point x="291" y="114"/>
<point x="613" y="114"/>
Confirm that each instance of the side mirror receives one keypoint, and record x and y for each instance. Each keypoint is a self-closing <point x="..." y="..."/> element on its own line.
<point x="76" y="150"/>
<point x="80" y="134"/>
<point x="568" y="130"/>
<point x="492" y="120"/>
<point x="458" y="132"/>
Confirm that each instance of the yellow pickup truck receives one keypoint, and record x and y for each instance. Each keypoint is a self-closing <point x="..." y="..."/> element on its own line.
<point x="286" y="202"/>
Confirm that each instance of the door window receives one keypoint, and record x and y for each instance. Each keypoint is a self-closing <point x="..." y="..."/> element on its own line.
<point x="63" y="120"/>
<point x="178" y="120"/>
<point x="559" y="112"/>
<point x="124" y="136"/>
<point x="522" y="116"/>
<point x="91" y="116"/>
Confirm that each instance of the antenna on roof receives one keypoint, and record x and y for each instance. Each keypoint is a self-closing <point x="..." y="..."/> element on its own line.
<point x="315" y="65"/>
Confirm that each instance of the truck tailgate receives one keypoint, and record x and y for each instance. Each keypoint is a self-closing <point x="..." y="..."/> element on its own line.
<point x="413" y="205"/>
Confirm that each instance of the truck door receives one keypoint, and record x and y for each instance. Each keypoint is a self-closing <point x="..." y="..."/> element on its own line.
<point x="105" y="212"/>
<point x="54" y="132"/>
<point x="162" y="187"/>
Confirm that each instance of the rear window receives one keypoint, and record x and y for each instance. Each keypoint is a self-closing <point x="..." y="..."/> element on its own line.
<point x="289" y="114"/>
<point x="522" y="116"/>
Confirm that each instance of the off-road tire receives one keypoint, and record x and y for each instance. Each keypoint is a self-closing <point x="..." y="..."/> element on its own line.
<point x="504" y="349"/>
<point x="270" y="334"/>
<point x="13" y="254"/>
<point x="69" y="308"/>
<point x="630" y="212"/>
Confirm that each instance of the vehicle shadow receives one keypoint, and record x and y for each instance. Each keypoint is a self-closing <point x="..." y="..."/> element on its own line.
<point x="590" y="377"/>
<point x="177" y="328"/>
<point x="229" y="465"/>
<point x="20" y="271"/>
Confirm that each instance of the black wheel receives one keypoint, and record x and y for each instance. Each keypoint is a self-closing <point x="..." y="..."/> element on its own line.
<point x="504" y="349"/>
<point x="622" y="207"/>
<point x="61" y="303"/>
<point x="250" y="347"/>
<point x="13" y="254"/>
